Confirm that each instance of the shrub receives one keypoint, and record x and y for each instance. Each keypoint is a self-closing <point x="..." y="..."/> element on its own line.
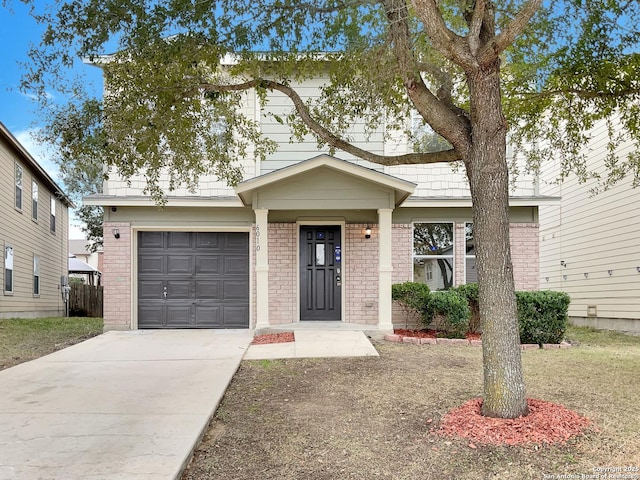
<point x="470" y="292"/>
<point x="542" y="316"/>
<point x="412" y="297"/>
<point x="452" y="308"/>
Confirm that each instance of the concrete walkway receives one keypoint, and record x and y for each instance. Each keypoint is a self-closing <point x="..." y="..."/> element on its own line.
<point x="316" y="343"/>
<point x="123" y="405"/>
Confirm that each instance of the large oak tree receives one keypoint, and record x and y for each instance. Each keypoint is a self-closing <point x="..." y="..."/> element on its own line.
<point x="474" y="70"/>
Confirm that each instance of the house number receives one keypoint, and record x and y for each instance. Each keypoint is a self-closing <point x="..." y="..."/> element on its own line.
<point x="257" y="238"/>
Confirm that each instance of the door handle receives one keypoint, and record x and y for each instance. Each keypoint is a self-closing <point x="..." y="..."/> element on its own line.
<point x="338" y="281"/>
<point x="164" y="293"/>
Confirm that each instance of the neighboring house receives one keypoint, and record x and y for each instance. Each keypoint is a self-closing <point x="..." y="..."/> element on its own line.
<point x="83" y="263"/>
<point x="34" y="229"/>
<point x="290" y="243"/>
<point x="590" y="245"/>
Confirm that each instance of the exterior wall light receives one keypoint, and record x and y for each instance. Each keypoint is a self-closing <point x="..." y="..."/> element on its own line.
<point x="116" y="233"/>
<point x="367" y="232"/>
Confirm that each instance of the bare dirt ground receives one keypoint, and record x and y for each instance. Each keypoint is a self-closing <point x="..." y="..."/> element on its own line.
<point x="375" y="418"/>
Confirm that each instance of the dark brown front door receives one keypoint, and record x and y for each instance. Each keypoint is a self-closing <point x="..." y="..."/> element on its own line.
<point x="321" y="273"/>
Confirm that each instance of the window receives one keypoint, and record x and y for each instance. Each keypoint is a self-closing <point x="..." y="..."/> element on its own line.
<point x="8" y="269"/>
<point x="53" y="214"/>
<point x="433" y="254"/>
<point x="36" y="275"/>
<point x="18" y="187"/>
<point x="470" y="272"/>
<point x="423" y="136"/>
<point x="34" y="200"/>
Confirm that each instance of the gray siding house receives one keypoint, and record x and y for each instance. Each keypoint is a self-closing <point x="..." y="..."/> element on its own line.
<point x="34" y="231"/>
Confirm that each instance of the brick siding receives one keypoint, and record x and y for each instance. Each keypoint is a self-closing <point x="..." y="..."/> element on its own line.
<point x="282" y="273"/>
<point x="525" y="250"/>
<point x="361" y="274"/>
<point x="116" y="277"/>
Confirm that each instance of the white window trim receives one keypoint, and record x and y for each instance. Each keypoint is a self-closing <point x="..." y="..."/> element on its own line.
<point x="13" y="276"/>
<point x="452" y="257"/>
<point x="35" y="200"/>
<point x="52" y="217"/>
<point x="36" y="273"/>
<point x="465" y="251"/>
<point x="17" y="185"/>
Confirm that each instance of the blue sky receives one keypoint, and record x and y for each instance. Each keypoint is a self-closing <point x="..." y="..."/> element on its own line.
<point x="17" y="111"/>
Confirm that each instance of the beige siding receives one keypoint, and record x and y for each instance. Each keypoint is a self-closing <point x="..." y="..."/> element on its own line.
<point x="290" y="152"/>
<point x="432" y="180"/>
<point x="29" y="238"/>
<point x="593" y="235"/>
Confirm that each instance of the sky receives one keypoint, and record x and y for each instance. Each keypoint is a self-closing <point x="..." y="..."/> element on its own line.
<point x="17" y="111"/>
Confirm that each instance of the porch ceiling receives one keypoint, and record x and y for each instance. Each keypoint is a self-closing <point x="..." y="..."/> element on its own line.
<point x="324" y="182"/>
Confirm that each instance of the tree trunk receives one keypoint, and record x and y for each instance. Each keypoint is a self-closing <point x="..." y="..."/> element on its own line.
<point x="486" y="165"/>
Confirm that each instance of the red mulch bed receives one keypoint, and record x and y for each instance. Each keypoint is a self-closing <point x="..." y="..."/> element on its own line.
<point x="547" y="423"/>
<point x="283" y="337"/>
<point x="430" y="334"/>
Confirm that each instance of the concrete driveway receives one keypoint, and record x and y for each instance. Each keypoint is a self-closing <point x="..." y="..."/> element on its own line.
<point x="123" y="405"/>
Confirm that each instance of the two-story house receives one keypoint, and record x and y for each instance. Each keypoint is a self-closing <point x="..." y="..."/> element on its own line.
<point x="589" y="243"/>
<point x="34" y="229"/>
<point x="305" y="237"/>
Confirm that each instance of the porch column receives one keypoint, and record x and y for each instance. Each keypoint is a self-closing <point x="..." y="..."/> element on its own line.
<point x="262" y="268"/>
<point x="385" y="269"/>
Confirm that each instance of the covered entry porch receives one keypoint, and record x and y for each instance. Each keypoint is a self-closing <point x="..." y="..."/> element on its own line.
<point x="323" y="243"/>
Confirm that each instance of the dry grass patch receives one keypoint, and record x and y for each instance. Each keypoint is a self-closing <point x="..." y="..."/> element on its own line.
<point x="374" y="418"/>
<point x="24" y="339"/>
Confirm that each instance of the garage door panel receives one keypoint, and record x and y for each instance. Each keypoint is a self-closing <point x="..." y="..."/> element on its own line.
<point x="236" y="265"/>
<point x="179" y="289"/>
<point x="151" y="240"/>
<point x="206" y="276"/>
<point x="208" y="315"/>
<point x="208" y="240"/>
<point x="179" y="264"/>
<point x="208" y="289"/>
<point x="235" y="317"/>
<point x="151" y="264"/>
<point x="208" y="264"/>
<point x="178" y="316"/>
<point x="148" y="289"/>
<point x="235" y="290"/>
<point x="236" y="243"/>
<point x="181" y="240"/>
<point x="151" y="316"/>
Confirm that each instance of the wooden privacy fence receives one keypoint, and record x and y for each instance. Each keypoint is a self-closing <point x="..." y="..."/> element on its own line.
<point x="85" y="300"/>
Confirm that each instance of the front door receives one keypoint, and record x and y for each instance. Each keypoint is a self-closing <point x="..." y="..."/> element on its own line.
<point x="321" y="273"/>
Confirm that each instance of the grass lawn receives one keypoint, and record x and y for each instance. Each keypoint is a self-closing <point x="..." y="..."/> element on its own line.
<point x="23" y="339"/>
<point x="373" y="418"/>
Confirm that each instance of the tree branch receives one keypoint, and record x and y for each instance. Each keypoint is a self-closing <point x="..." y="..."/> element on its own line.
<point x="475" y="26"/>
<point x="443" y="116"/>
<point x="446" y="156"/>
<point x="507" y="36"/>
<point x="444" y="40"/>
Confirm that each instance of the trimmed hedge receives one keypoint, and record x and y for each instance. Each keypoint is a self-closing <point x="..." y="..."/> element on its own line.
<point x="542" y="315"/>
<point x="412" y="297"/>
<point x="453" y="308"/>
<point x="470" y="292"/>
